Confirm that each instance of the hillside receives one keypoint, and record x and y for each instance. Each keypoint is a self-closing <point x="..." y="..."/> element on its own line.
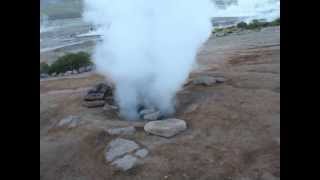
<point x="60" y="9"/>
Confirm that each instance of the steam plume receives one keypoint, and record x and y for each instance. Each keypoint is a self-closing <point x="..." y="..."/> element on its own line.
<point x="148" y="47"/>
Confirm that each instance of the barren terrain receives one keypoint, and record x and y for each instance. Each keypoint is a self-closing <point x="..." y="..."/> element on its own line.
<point x="233" y="127"/>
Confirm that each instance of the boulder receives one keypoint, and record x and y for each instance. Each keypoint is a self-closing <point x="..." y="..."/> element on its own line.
<point x="125" y="163"/>
<point x="54" y="74"/>
<point x="122" y="131"/>
<point x="165" y="128"/>
<point x="74" y="72"/>
<point x="119" y="147"/>
<point x="93" y="104"/>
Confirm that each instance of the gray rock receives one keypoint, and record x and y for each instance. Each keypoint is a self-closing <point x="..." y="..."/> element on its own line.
<point x="204" y="80"/>
<point x="43" y="75"/>
<point x="142" y="153"/>
<point x="151" y="116"/>
<point x="54" y="74"/>
<point x="166" y="128"/>
<point x="74" y="72"/>
<point x="89" y="68"/>
<point x="125" y="163"/>
<point x="122" y="131"/>
<point x="119" y="147"/>
<point x="70" y="121"/>
<point x="68" y="73"/>
<point x="191" y="108"/>
<point x="82" y="70"/>
<point x="220" y="79"/>
<point x="220" y="34"/>
<point x="94" y="96"/>
<point x="147" y="111"/>
<point x="93" y="104"/>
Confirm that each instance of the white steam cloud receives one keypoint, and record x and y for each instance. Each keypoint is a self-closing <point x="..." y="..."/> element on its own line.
<point x="148" y="47"/>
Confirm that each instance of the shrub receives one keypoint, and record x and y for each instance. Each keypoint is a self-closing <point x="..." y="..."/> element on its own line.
<point x="44" y="68"/>
<point x="275" y="22"/>
<point x="254" y="24"/>
<point x="242" y="25"/>
<point x="70" y="61"/>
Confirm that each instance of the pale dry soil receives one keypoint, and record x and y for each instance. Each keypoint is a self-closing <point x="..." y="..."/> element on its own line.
<point x="233" y="128"/>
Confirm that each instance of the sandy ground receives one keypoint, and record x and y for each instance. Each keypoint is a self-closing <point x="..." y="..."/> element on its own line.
<point x="233" y="128"/>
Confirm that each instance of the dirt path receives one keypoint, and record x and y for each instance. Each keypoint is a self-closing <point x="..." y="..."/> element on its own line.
<point x="233" y="133"/>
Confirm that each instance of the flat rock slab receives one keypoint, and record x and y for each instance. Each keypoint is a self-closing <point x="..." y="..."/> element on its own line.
<point x="208" y="80"/>
<point x="119" y="147"/>
<point x="165" y="128"/>
<point x="70" y="121"/>
<point x="94" y="96"/>
<point x="151" y="116"/>
<point x="125" y="163"/>
<point x="122" y="131"/>
<point x="204" y="80"/>
<point x="93" y="104"/>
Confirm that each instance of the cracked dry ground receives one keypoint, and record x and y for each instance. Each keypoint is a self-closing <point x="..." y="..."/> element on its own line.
<point x="233" y="128"/>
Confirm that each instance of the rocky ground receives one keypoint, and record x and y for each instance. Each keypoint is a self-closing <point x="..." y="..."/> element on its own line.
<point x="233" y="127"/>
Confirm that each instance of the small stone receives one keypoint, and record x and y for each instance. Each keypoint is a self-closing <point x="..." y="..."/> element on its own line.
<point x="166" y="128"/>
<point x="142" y="153"/>
<point x="122" y="131"/>
<point x="220" y="34"/>
<point x="43" y="75"/>
<point x="152" y="116"/>
<point x="68" y="73"/>
<point x="93" y="104"/>
<point x="82" y="69"/>
<point x="147" y="111"/>
<point x="191" y="108"/>
<point x="89" y="68"/>
<point x="108" y="107"/>
<point x="119" y="147"/>
<point x="125" y="163"/>
<point x="204" y="80"/>
<point x="220" y="79"/>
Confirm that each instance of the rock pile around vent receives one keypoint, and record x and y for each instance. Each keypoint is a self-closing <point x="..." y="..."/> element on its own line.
<point x="102" y="95"/>
<point x="99" y="96"/>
